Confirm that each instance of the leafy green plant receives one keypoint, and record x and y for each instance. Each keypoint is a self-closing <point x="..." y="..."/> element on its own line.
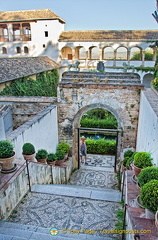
<point x="44" y="85"/>
<point x="28" y="149"/>
<point x="142" y="159"/>
<point x="101" y="146"/>
<point x="6" y="149"/>
<point x="128" y="153"/>
<point x="99" y="123"/>
<point x="147" y="174"/>
<point x="41" y="154"/>
<point x="63" y="147"/>
<point x="149" y="195"/>
<point x="60" y="154"/>
<point x="51" y="157"/>
<point x="120" y="217"/>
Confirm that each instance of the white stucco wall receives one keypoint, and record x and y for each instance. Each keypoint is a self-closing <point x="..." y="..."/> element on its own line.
<point x="41" y="131"/>
<point x="147" y="138"/>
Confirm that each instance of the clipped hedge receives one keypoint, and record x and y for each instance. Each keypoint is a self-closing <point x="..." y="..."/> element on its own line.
<point x="99" y="123"/>
<point x="101" y="146"/>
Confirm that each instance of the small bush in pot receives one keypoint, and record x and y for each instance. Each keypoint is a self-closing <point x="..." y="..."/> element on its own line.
<point x="147" y="174"/>
<point x="142" y="159"/>
<point x="63" y="147"/>
<point x="149" y="195"/>
<point x="51" y="158"/>
<point x="28" y="149"/>
<point x="41" y="155"/>
<point x="6" y="149"/>
<point x="60" y="154"/>
<point x="128" y="154"/>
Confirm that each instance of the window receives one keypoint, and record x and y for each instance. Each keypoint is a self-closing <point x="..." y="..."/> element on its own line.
<point x="44" y="45"/>
<point x="46" y="33"/>
<point x="4" y="50"/>
<point x="18" y="50"/>
<point x="26" y="50"/>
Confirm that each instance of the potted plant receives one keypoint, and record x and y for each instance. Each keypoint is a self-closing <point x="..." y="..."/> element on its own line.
<point x="51" y="159"/>
<point x="41" y="156"/>
<point x="147" y="174"/>
<point x="7" y="156"/>
<point x="63" y="146"/>
<point x="141" y="160"/>
<point x="149" y="198"/>
<point x="60" y="157"/>
<point x="28" y="151"/>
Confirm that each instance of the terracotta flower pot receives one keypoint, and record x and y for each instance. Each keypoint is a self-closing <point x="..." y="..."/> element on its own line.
<point x="44" y="160"/>
<point x="52" y="163"/>
<point x="138" y="203"/>
<point x="29" y="157"/>
<point x="149" y="214"/>
<point x="7" y="164"/>
<point x="136" y="170"/>
<point x="156" y="219"/>
<point x="60" y="162"/>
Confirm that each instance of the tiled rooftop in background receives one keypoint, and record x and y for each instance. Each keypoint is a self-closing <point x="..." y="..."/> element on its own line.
<point x="14" y="68"/>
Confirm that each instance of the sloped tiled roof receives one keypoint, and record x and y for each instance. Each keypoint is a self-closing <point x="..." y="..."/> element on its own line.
<point x="29" y="15"/>
<point x="99" y="35"/>
<point x="14" y="68"/>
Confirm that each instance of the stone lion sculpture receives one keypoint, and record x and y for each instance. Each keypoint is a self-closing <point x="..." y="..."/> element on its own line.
<point x="75" y="65"/>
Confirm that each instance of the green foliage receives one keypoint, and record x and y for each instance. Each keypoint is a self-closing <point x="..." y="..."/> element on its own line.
<point x="6" y="149"/>
<point x="28" y="149"/>
<point x="63" y="147"/>
<point x="145" y="69"/>
<point x="101" y="146"/>
<point x="45" y="85"/>
<point x="41" y="154"/>
<point x="149" y="195"/>
<point x="148" y="56"/>
<point x="142" y="160"/>
<point x="98" y="123"/>
<point x="154" y="83"/>
<point x="51" y="157"/>
<point x="60" y="155"/>
<point x="147" y="174"/>
<point x="128" y="153"/>
<point x="120" y="217"/>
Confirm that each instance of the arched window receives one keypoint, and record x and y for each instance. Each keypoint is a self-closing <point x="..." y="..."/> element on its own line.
<point x="18" y="50"/>
<point x="147" y="80"/>
<point x="149" y="54"/>
<point x="66" y="53"/>
<point x="80" y="53"/>
<point x="94" y="53"/>
<point x="121" y="53"/>
<point x="135" y="54"/>
<point x="26" y="50"/>
<point x="4" y="50"/>
<point x="108" y="53"/>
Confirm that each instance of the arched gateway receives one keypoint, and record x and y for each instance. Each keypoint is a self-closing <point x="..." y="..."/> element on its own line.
<point x="118" y="93"/>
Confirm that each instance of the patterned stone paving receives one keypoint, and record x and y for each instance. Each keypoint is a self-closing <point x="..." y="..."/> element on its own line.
<point x="48" y="211"/>
<point x="100" y="161"/>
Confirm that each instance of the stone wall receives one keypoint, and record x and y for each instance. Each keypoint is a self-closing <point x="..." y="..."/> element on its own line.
<point x="13" y="191"/>
<point x="147" y="140"/>
<point x="78" y="98"/>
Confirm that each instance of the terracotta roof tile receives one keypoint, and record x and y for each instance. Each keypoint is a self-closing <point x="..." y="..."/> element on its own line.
<point x="100" y="35"/>
<point x="28" y="15"/>
<point x="14" y="68"/>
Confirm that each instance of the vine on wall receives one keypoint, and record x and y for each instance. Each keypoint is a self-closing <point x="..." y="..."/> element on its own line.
<point x="44" y="85"/>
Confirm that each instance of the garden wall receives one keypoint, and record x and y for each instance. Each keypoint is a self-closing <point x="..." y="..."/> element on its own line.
<point x="147" y="138"/>
<point x="41" y="131"/>
<point x="15" y="189"/>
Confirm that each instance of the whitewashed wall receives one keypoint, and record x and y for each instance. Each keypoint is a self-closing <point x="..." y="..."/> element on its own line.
<point x="147" y="138"/>
<point x="41" y="131"/>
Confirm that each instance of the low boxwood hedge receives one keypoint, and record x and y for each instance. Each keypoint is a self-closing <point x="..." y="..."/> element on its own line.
<point x="101" y="146"/>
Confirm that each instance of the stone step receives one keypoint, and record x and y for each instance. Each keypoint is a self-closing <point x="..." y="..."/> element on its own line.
<point x="109" y="195"/>
<point x="16" y="231"/>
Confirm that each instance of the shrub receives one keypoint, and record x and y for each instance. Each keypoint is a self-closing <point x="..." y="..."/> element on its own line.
<point x="41" y="154"/>
<point x="147" y="174"/>
<point x="60" y="155"/>
<point x="99" y="123"/>
<point x="142" y="160"/>
<point x="128" y="153"/>
<point x="6" y="149"/>
<point x="101" y="146"/>
<point x="125" y="161"/>
<point x="149" y="195"/>
<point x="63" y="147"/>
<point x="28" y="149"/>
<point x="51" y="157"/>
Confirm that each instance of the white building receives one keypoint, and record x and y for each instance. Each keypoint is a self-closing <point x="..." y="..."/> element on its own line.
<point x="41" y="33"/>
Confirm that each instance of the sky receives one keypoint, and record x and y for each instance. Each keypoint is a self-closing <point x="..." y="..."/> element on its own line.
<point x="94" y="14"/>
